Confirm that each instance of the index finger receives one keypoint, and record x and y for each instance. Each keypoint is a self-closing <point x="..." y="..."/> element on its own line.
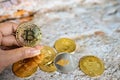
<point x="8" y="28"/>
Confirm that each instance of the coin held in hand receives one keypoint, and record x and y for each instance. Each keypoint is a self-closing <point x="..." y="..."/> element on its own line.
<point x="28" y="34"/>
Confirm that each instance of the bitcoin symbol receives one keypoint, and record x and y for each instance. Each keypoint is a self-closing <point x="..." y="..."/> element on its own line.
<point x="29" y="35"/>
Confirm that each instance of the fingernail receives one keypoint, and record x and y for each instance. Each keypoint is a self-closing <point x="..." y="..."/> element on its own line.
<point x="36" y="52"/>
<point x="33" y="51"/>
<point x="39" y="47"/>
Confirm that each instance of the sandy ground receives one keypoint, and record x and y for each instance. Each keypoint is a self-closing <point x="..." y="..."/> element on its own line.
<point x="93" y="24"/>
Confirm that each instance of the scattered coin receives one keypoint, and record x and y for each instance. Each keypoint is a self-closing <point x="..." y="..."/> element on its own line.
<point x="48" y="54"/>
<point x="91" y="65"/>
<point x="24" y="68"/>
<point x="65" y="45"/>
<point x="65" y="62"/>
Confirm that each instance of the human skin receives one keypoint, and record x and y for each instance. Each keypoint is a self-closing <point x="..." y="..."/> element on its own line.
<point x="7" y="39"/>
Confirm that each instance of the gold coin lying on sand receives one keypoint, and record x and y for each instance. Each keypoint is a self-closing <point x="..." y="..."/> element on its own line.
<point x="48" y="54"/>
<point x="65" y="45"/>
<point x="24" y="68"/>
<point x="49" y="67"/>
<point x="91" y="66"/>
<point x="28" y="34"/>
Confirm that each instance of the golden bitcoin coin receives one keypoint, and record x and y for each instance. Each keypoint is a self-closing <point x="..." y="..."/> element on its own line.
<point x="48" y="54"/>
<point x="65" y="45"/>
<point x="24" y="68"/>
<point x="49" y="67"/>
<point x="91" y="65"/>
<point x="28" y="34"/>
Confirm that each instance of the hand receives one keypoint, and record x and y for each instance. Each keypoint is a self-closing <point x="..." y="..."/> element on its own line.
<point x="7" y="38"/>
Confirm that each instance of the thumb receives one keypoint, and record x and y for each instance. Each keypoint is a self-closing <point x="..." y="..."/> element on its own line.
<point x="12" y="56"/>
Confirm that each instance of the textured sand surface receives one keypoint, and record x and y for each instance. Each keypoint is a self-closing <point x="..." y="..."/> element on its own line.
<point x="93" y="24"/>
